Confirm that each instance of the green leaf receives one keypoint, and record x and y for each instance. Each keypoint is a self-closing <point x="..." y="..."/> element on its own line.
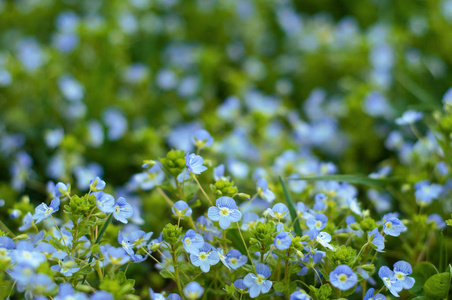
<point x="354" y="179"/>
<point x="292" y="210"/>
<point x="421" y="273"/>
<point x="279" y="287"/>
<point x="438" y="285"/>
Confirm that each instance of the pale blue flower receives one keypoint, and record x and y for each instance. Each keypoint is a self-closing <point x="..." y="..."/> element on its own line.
<point x="393" y="226"/>
<point x="193" y="290"/>
<point x="264" y="191"/>
<point x="181" y="209"/>
<point x="409" y="117"/>
<point x="225" y="211"/>
<point x="401" y="271"/>
<point x="370" y="295"/>
<point x="43" y="211"/>
<point x="393" y="285"/>
<point x="378" y="240"/>
<point x="235" y="259"/>
<point x="278" y="211"/>
<point x="194" y="163"/>
<point x="257" y="283"/>
<point x="192" y="241"/>
<point x="202" y="138"/>
<point x="122" y="210"/>
<point x="204" y="257"/>
<point x="343" y="277"/>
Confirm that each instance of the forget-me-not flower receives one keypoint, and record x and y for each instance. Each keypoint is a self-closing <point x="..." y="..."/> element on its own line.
<point x="343" y="277"/>
<point x="235" y="259"/>
<point x="389" y="280"/>
<point x="409" y="117"/>
<point x="193" y="290"/>
<point x="282" y="240"/>
<point x="122" y="210"/>
<point x="426" y="192"/>
<point x="378" y="240"/>
<point x="181" y="209"/>
<point x="192" y="241"/>
<point x="258" y="283"/>
<point x="264" y="191"/>
<point x="370" y="295"/>
<point x="225" y="211"/>
<point x="42" y="211"/>
<point x="204" y="257"/>
<point x="393" y="226"/>
<point x="278" y="211"/>
<point x="401" y="271"/>
<point x="194" y="163"/>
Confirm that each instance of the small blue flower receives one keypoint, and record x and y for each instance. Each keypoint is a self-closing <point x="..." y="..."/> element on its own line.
<point x="173" y="296"/>
<point x="343" y="277"/>
<point x="437" y="220"/>
<point x="393" y="226"/>
<point x="225" y="211"/>
<point x="317" y="222"/>
<point x="240" y="286"/>
<point x="235" y="259"/>
<point x="67" y="292"/>
<point x="378" y="240"/>
<point x="114" y="256"/>
<point x="192" y="242"/>
<point x="264" y="191"/>
<point x="426" y="192"/>
<point x="370" y="295"/>
<point x="393" y="285"/>
<point x="193" y="290"/>
<point x="218" y="172"/>
<point x="122" y="210"/>
<point x="205" y="257"/>
<point x="278" y="211"/>
<point x="181" y="209"/>
<point x="202" y="138"/>
<point x="66" y="266"/>
<point x="62" y="190"/>
<point x="257" y="283"/>
<point x="27" y="220"/>
<point x="101" y="295"/>
<point x="43" y="211"/>
<point x="97" y="184"/>
<point x="298" y="295"/>
<point x="194" y="163"/>
<point x="155" y="296"/>
<point x="324" y="238"/>
<point x="409" y="117"/>
<point x="320" y="202"/>
<point x="282" y="240"/>
<point x="104" y="202"/>
<point x="401" y="271"/>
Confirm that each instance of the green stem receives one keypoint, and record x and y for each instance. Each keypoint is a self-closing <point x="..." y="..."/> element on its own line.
<point x="246" y="247"/>
<point x="202" y="190"/>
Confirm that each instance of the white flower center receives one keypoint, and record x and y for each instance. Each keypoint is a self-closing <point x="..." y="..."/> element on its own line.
<point x="203" y="256"/>
<point x="260" y="279"/>
<point x="224" y="211"/>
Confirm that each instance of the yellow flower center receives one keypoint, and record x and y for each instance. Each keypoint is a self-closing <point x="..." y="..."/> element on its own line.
<point x="342" y="278"/>
<point x="202" y="256"/>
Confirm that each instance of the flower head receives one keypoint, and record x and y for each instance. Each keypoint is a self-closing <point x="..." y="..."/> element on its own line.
<point x="401" y="271"/>
<point x="193" y="290"/>
<point x="257" y="283"/>
<point x="123" y="210"/>
<point x="317" y="222"/>
<point x="194" y="163"/>
<point x="378" y="240"/>
<point x="181" y="209"/>
<point x="225" y="211"/>
<point x="370" y="295"/>
<point x="235" y="259"/>
<point x="202" y="138"/>
<point x="324" y="238"/>
<point x="409" y="117"/>
<point x="192" y="241"/>
<point x="426" y="192"/>
<point x="343" y="277"/>
<point x="393" y="226"/>
<point x="393" y="285"/>
<point x="264" y="191"/>
<point x="43" y="211"/>
<point x="278" y="211"/>
<point x="204" y="257"/>
<point x="104" y="202"/>
<point x="282" y="240"/>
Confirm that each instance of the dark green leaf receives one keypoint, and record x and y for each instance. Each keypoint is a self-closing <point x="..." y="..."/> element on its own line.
<point x="292" y="210"/>
<point x="438" y="285"/>
<point x="354" y="179"/>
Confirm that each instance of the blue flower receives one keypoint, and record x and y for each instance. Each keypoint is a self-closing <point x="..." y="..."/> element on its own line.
<point x="202" y="138"/>
<point x="393" y="226"/>
<point x="66" y="266"/>
<point x="324" y="238"/>
<point x="409" y="117"/>
<point x="155" y="296"/>
<point x="218" y="172"/>
<point x="240" y="286"/>
<point x="192" y="241"/>
<point x="393" y="285"/>
<point x="317" y="222"/>
<point x="205" y="257"/>
<point x="264" y="191"/>
<point x="235" y="259"/>
<point x="437" y="220"/>
<point x="62" y="190"/>
<point x="101" y="295"/>
<point x="343" y="277"/>
<point x="43" y="211"/>
<point x="370" y="295"/>
<point x="67" y="292"/>
<point x="426" y="192"/>
<point x="282" y="241"/>
<point x="193" y="290"/>
<point x="122" y="210"/>
<point x="225" y="211"/>
<point x="181" y="209"/>
<point x="27" y="220"/>
<point x="401" y="270"/>
<point x="378" y="240"/>
<point x="320" y="202"/>
<point x="298" y="295"/>
<point x="257" y="283"/>
<point x="97" y="184"/>
<point x="22" y="273"/>
<point x="194" y="163"/>
<point x="104" y="202"/>
<point x="173" y="296"/>
<point x="278" y="211"/>
<point x="114" y="256"/>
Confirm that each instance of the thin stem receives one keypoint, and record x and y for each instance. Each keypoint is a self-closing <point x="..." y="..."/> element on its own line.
<point x="157" y="261"/>
<point x="61" y="234"/>
<point x="243" y="240"/>
<point x="200" y="187"/>
<point x="171" y="203"/>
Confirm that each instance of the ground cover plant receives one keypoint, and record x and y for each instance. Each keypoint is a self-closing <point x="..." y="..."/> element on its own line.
<point x="167" y="149"/>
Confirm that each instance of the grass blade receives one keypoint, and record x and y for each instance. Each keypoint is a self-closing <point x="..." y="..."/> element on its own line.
<point x="292" y="209"/>
<point x="354" y="179"/>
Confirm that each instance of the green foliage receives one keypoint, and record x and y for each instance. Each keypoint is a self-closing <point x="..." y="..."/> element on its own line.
<point x="224" y="187"/>
<point x="263" y="235"/>
<point x="321" y="293"/>
<point x="172" y="234"/>
<point x="118" y="285"/>
<point x="80" y="207"/>
<point x="174" y="162"/>
<point x="344" y="255"/>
